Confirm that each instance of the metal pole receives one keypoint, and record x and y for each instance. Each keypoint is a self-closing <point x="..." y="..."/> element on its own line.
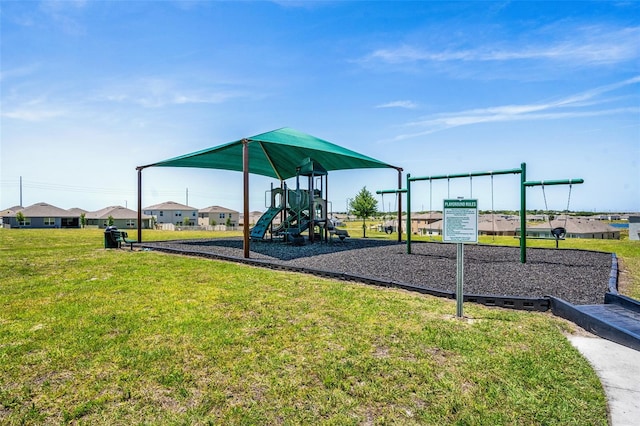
<point x="245" y="172"/>
<point x="523" y="213"/>
<point x="408" y="213"/>
<point x="399" y="195"/>
<point x="553" y="182"/>
<point x="326" y="207"/>
<point x="465" y="175"/>
<point x="459" y="279"/>
<point x="139" y="204"/>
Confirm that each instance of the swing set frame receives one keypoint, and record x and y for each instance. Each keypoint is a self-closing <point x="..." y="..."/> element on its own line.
<point x="524" y="184"/>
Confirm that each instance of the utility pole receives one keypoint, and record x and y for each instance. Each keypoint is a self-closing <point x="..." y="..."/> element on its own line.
<point x="187" y="203"/>
<point x="20" y="191"/>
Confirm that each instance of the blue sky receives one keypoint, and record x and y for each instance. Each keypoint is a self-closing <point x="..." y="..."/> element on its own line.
<point x="90" y="90"/>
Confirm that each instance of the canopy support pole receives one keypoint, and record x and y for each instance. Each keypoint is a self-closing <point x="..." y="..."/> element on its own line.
<point x="245" y="172"/>
<point x="399" y="195"/>
<point x="523" y="213"/>
<point x="139" y="204"/>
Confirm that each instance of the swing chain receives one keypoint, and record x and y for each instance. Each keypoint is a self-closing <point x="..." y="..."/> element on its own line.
<point x="546" y="207"/>
<point x="493" y="218"/>
<point x="566" y="212"/>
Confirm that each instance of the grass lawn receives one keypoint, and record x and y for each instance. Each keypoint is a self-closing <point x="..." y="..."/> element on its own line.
<point x="95" y="336"/>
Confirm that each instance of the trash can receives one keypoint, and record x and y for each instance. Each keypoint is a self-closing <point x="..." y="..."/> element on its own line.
<point x="109" y="238"/>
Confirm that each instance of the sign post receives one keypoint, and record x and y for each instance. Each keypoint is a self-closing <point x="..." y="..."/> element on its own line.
<point x="460" y="226"/>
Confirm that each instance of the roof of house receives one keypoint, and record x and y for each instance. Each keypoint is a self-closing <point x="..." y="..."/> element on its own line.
<point x="498" y="224"/>
<point x="216" y="209"/>
<point x="43" y="210"/>
<point x="252" y="214"/>
<point x="426" y="216"/>
<point x="8" y="211"/>
<point x="169" y="205"/>
<point x="435" y="225"/>
<point x="577" y="226"/>
<point x="78" y="210"/>
<point x="116" y="212"/>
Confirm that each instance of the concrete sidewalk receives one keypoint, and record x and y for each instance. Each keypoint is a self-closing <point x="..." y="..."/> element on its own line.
<point x="618" y="368"/>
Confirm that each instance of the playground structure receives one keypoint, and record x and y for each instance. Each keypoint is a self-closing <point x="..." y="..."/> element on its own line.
<point x="298" y="209"/>
<point x="557" y="233"/>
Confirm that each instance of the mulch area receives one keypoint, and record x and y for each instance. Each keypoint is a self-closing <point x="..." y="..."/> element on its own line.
<point x="577" y="276"/>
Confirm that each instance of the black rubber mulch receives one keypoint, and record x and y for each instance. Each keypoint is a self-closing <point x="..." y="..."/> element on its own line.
<point x="579" y="277"/>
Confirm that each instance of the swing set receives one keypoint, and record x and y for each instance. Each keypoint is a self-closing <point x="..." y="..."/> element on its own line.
<point x="389" y="229"/>
<point x="557" y="233"/>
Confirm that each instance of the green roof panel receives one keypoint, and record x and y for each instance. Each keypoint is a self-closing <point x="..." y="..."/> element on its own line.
<point x="275" y="154"/>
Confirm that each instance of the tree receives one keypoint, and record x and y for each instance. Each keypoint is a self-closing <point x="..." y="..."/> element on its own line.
<point x="20" y="219"/>
<point x="110" y="220"/>
<point x="363" y="206"/>
<point x="83" y="220"/>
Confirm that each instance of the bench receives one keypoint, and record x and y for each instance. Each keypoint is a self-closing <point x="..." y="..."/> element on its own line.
<point x="123" y="237"/>
<point x="341" y="233"/>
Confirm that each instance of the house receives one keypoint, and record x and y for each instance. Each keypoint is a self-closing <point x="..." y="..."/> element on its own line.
<point x="122" y="218"/>
<point x="422" y="223"/>
<point x="172" y="213"/>
<point x="497" y="225"/>
<point x="7" y="212"/>
<point x="78" y="211"/>
<point x="576" y="228"/>
<point x="609" y="217"/>
<point x="432" y="228"/>
<point x="254" y="216"/>
<point x="217" y="215"/>
<point x="634" y="228"/>
<point x="41" y="215"/>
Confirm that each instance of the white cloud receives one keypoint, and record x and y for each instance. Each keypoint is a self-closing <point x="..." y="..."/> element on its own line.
<point x="160" y="92"/>
<point x="62" y="14"/>
<point x="586" y="46"/>
<point x="17" y="72"/>
<point x="541" y="111"/>
<point x="33" y="110"/>
<point x="399" y="104"/>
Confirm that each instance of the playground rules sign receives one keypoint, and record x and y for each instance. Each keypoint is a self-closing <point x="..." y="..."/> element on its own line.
<point x="460" y="221"/>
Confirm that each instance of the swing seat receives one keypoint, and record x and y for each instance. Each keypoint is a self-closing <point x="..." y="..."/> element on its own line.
<point x="541" y="238"/>
<point x="559" y="233"/>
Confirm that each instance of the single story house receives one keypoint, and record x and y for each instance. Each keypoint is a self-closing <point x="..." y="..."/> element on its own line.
<point x="122" y="218"/>
<point x="173" y="213"/>
<point x="7" y="212"/>
<point x="41" y="215"/>
<point x="576" y="228"/>
<point x="496" y="225"/>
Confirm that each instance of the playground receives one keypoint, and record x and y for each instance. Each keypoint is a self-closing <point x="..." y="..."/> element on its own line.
<point x="577" y="276"/>
<point x="563" y="281"/>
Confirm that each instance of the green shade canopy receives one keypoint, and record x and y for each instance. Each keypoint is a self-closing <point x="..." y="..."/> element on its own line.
<point x="275" y="154"/>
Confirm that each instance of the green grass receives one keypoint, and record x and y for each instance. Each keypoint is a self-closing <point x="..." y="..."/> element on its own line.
<point x="95" y="336"/>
